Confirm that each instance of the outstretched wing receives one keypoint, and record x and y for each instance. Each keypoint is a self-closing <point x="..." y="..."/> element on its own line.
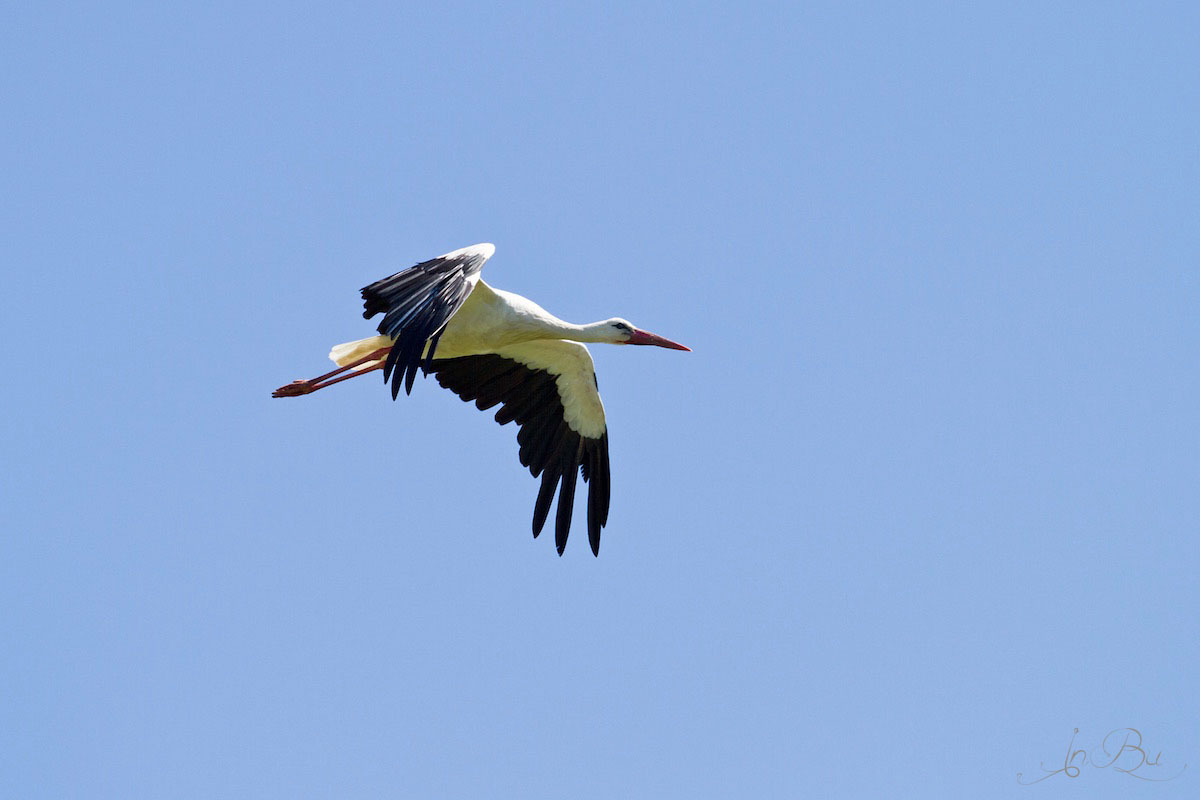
<point x="417" y="303"/>
<point x="548" y="387"/>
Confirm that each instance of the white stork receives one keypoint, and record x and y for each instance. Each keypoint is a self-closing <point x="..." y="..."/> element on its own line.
<point x="496" y="347"/>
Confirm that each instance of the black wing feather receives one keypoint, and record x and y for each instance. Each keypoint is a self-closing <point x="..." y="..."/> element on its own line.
<point x="548" y="445"/>
<point x="566" y="493"/>
<point x="595" y="470"/>
<point x="545" y="498"/>
<point x="416" y="305"/>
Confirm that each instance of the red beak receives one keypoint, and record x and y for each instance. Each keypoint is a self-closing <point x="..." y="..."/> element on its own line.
<point x="645" y="337"/>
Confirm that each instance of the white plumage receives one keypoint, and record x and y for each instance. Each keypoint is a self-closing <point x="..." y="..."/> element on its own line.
<point x="496" y="347"/>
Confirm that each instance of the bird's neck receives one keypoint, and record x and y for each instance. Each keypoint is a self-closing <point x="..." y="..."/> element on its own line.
<point x="526" y="320"/>
<point x="591" y="332"/>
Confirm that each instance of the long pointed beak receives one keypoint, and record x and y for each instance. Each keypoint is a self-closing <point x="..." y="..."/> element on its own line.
<point x="645" y="337"/>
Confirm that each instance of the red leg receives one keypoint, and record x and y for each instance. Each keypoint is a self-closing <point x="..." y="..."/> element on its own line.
<point x="297" y="388"/>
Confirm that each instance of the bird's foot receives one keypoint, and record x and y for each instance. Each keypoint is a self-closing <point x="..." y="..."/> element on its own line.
<point x="294" y="389"/>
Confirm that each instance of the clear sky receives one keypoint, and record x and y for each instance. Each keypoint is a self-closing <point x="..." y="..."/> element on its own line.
<point x="922" y="500"/>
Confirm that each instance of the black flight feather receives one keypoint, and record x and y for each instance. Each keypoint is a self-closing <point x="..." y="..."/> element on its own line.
<point x="546" y="443"/>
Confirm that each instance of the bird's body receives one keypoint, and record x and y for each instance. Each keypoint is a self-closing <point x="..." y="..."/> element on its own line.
<point x="496" y="347"/>
<point x="492" y="321"/>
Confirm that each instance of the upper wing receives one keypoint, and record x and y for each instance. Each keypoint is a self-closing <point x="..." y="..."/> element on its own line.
<point x="549" y="388"/>
<point x="417" y="303"/>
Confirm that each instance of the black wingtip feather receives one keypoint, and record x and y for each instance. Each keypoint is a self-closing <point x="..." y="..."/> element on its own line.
<point x="566" y="495"/>
<point x="410" y="378"/>
<point x="541" y="508"/>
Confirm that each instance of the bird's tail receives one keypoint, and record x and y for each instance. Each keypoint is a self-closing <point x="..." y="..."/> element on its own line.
<point x="348" y="353"/>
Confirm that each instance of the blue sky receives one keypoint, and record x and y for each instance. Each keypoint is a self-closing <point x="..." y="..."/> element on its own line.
<point x="921" y="501"/>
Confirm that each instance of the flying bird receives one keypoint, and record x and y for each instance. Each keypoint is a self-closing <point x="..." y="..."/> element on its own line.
<point x="496" y="348"/>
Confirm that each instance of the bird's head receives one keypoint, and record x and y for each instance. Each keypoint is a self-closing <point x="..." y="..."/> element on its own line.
<point x="624" y="332"/>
